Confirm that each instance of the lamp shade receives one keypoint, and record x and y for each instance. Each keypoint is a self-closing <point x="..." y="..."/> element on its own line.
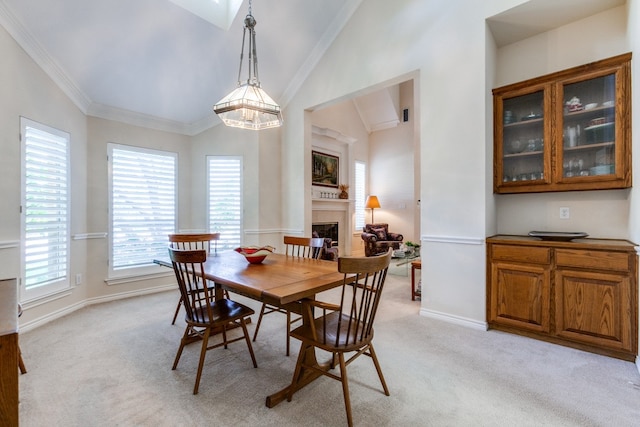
<point x="249" y="107"/>
<point x="372" y="202"/>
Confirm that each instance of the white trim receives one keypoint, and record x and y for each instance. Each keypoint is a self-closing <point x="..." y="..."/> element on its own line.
<point x="319" y="50"/>
<point x="33" y="324"/>
<point x="457" y="320"/>
<point x="86" y="236"/>
<point x="267" y="231"/>
<point x="110" y="281"/>
<point x="9" y="244"/>
<point x="638" y="363"/>
<point x="453" y="239"/>
<point x="334" y="134"/>
<point x="46" y="298"/>
<point x="41" y="57"/>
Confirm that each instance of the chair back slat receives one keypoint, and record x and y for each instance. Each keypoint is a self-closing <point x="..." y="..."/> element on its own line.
<point x="303" y="247"/>
<point x="188" y="266"/>
<point x="362" y="287"/>
<point x="194" y="241"/>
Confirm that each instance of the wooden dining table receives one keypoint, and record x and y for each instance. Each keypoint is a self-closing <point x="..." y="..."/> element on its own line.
<point x="279" y="280"/>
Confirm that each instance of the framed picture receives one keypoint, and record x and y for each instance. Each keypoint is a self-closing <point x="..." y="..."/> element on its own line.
<point x="324" y="169"/>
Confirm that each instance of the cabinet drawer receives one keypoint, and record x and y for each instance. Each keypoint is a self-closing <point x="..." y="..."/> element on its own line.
<point x="528" y="254"/>
<point x="598" y="260"/>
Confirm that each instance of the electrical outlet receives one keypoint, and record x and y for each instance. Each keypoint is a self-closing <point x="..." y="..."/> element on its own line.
<point x="564" y="213"/>
<point x="78" y="278"/>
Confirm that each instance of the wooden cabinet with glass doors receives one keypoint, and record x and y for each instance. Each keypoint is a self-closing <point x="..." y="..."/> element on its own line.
<point x="565" y="131"/>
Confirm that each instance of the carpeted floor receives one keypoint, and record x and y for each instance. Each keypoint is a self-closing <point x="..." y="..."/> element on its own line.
<point x="110" y="365"/>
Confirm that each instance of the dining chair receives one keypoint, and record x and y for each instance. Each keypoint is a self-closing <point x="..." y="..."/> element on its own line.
<point x="193" y="241"/>
<point x="21" y="365"/>
<point x="205" y="315"/>
<point x="300" y="247"/>
<point x="346" y="327"/>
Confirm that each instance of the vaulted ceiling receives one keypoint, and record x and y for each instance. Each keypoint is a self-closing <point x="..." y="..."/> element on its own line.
<point x="155" y="63"/>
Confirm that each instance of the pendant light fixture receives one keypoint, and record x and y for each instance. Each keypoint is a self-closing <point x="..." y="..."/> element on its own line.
<point x="248" y="106"/>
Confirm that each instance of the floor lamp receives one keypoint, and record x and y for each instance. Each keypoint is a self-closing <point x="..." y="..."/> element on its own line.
<point x="372" y="203"/>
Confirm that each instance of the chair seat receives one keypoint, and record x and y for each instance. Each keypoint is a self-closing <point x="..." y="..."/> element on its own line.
<point x="347" y="335"/>
<point x="223" y="311"/>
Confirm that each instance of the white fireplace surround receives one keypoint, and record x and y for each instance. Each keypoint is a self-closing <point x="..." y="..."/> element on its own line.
<point x="335" y="210"/>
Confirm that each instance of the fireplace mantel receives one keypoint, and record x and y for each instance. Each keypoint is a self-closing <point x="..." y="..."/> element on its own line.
<point x="331" y="204"/>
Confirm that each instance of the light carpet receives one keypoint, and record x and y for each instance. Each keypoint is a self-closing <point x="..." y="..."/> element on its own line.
<point x="110" y="365"/>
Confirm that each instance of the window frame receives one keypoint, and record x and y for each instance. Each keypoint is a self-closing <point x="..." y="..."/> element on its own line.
<point x="359" y="199"/>
<point x="59" y="284"/>
<point x="141" y="269"/>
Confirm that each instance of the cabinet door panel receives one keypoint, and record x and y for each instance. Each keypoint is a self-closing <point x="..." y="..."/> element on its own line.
<point x="594" y="308"/>
<point x="520" y="296"/>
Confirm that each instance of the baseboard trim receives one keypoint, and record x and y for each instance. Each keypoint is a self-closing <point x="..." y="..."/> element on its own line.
<point x="457" y="320"/>
<point x="35" y="323"/>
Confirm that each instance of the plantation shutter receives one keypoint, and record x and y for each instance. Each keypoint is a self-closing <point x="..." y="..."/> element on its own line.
<point x="360" y="177"/>
<point x="45" y="205"/>
<point x="143" y="204"/>
<point x="225" y="199"/>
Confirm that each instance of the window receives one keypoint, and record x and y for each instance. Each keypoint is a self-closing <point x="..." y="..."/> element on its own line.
<point x="360" y="177"/>
<point x="45" y="210"/>
<point x="142" y="207"/>
<point x="224" y="190"/>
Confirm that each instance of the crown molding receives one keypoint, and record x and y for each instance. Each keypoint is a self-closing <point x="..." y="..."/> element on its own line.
<point x="318" y="51"/>
<point x="151" y="122"/>
<point x="28" y="42"/>
<point x="334" y="134"/>
<point x="41" y="57"/>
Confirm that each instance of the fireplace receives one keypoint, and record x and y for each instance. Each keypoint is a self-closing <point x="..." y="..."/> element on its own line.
<point x="327" y="229"/>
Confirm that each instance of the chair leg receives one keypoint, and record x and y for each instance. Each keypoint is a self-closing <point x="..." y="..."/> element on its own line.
<point x="183" y="341"/>
<point x="246" y="337"/>
<point x="345" y="388"/>
<point x="288" y="329"/>
<point x="175" y="316"/>
<point x="23" y="368"/>
<point x="255" y="333"/>
<point x="375" y="362"/>
<point x="203" y="353"/>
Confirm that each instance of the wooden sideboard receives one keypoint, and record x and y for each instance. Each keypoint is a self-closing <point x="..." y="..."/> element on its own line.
<point x="8" y="353"/>
<point x="581" y="293"/>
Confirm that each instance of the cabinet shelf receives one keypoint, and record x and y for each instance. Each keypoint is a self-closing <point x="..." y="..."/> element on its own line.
<point x="596" y="139"/>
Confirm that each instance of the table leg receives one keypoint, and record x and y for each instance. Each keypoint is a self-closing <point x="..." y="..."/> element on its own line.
<point x="306" y="376"/>
<point x="413" y="283"/>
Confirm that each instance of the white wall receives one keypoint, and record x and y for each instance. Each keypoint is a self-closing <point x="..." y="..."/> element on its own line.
<point x="25" y="90"/>
<point x="100" y="133"/>
<point x="443" y="44"/>
<point x="600" y="213"/>
<point x="262" y="182"/>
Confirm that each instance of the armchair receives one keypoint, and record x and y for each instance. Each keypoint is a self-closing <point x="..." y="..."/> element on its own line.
<point x="329" y="252"/>
<point x="378" y="239"/>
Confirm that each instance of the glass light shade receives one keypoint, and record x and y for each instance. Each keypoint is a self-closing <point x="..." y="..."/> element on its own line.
<point x="249" y="107"/>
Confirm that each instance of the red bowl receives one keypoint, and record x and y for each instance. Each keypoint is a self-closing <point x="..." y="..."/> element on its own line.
<point x="255" y="254"/>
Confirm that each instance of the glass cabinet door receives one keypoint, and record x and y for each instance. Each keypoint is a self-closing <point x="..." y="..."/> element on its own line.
<point x="523" y="138"/>
<point x="588" y="125"/>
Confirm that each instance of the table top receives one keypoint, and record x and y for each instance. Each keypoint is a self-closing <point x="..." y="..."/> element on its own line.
<point x="278" y="280"/>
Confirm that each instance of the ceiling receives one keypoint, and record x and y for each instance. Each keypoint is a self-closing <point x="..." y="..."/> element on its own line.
<point x="154" y="60"/>
<point x="539" y="16"/>
<point x="154" y="63"/>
